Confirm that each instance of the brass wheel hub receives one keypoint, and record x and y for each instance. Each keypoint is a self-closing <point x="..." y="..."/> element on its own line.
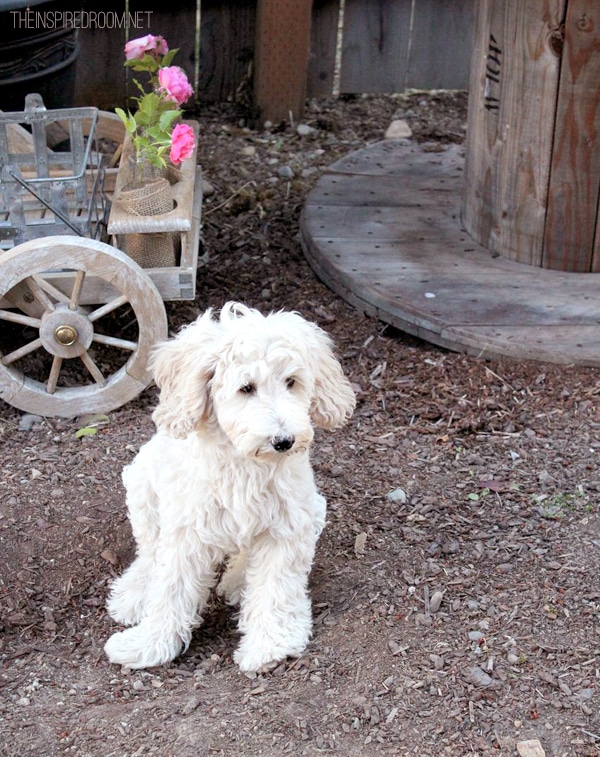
<point x="66" y="335"/>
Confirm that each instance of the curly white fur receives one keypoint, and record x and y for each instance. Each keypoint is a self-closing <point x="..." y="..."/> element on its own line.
<point x="227" y="476"/>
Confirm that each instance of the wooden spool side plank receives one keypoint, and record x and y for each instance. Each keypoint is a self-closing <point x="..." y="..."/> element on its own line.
<point x="514" y="80"/>
<point x="575" y="170"/>
<point x="483" y="128"/>
<point x="529" y="114"/>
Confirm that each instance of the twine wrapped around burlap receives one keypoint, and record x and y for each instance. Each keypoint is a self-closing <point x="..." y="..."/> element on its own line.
<point x="154" y="250"/>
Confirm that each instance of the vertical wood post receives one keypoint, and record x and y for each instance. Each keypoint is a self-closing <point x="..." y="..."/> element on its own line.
<point x="575" y="171"/>
<point x="281" y="58"/>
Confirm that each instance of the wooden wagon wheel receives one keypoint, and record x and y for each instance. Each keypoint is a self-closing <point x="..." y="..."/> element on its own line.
<point x="50" y="286"/>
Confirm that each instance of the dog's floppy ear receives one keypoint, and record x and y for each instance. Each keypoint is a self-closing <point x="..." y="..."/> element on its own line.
<point x="333" y="400"/>
<point x="182" y="370"/>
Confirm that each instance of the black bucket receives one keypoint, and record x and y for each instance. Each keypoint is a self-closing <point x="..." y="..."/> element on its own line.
<point x="37" y="54"/>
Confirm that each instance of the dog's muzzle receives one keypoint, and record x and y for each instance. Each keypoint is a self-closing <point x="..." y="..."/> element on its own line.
<point x="282" y="443"/>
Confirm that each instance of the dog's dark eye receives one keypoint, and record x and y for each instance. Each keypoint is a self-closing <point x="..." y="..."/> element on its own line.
<point x="248" y="389"/>
<point x="290" y="382"/>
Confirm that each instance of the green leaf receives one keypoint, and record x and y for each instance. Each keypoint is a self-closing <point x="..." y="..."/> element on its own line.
<point x="166" y="61"/>
<point x="167" y="118"/>
<point x="87" y="431"/>
<point x="473" y="496"/>
<point x="128" y="120"/>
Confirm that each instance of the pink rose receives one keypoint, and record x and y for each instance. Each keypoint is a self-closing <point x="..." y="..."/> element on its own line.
<point x="135" y="49"/>
<point x="182" y="143"/>
<point x="174" y="83"/>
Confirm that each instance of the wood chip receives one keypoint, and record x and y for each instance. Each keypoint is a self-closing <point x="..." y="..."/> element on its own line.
<point x="359" y="544"/>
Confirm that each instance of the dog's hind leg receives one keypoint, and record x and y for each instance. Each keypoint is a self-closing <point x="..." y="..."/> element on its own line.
<point x="129" y="592"/>
<point x="231" y="584"/>
<point x="181" y="580"/>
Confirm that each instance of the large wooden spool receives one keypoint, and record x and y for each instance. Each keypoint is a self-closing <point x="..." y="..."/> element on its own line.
<point x="533" y="146"/>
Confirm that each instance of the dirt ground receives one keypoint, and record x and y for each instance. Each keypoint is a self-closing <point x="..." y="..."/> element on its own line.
<point x="455" y="588"/>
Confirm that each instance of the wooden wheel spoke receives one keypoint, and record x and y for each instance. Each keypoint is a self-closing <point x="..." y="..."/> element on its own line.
<point x="108" y="308"/>
<point x="111" y="341"/>
<point x="93" y="369"/>
<point x="76" y="291"/>
<point x="54" y="373"/>
<point x="25" y="320"/>
<point x="21" y="352"/>
<point x="38" y="289"/>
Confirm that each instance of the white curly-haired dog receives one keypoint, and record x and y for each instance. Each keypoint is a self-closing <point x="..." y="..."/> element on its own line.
<point x="227" y="475"/>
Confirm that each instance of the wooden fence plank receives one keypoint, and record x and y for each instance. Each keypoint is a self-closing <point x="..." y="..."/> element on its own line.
<point x="375" y="45"/>
<point x="323" y="46"/>
<point x="99" y="72"/>
<point x="575" y="171"/>
<point x="436" y="60"/>
<point x="226" y="49"/>
<point x="281" y="57"/>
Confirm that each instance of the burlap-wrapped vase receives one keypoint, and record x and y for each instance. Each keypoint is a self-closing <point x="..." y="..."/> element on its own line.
<point x="150" y="199"/>
<point x="154" y="198"/>
<point x="156" y="250"/>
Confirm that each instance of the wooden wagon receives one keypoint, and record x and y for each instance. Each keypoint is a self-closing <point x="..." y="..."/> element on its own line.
<point x="78" y="316"/>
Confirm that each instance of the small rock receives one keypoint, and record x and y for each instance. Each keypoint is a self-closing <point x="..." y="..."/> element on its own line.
<point x="138" y="685"/>
<point x="476" y="636"/>
<point x="207" y="188"/>
<point x="248" y="151"/>
<point x="436" y="601"/>
<point x="285" y="172"/>
<point x="530" y="748"/>
<point x="24" y="701"/>
<point x="397" y="495"/>
<point x="477" y="676"/>
<point x="398" y="129"/>
<point x="28" y="421"/>
<point x="304" y="130"/>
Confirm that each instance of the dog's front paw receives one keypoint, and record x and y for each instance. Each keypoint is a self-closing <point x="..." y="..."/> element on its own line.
<point x="135" y="648"/>
<point x="256" y="653"/>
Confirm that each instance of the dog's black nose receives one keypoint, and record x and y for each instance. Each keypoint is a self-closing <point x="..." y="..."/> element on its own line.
<point x="282" y="443"/>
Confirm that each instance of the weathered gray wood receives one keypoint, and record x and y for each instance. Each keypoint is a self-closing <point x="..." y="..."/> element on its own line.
<point x="440" y="45"/>
<point x="413" y="265"/>
<point x="511" y="123"/>
<point x="99" y="72"/>
<point x="375" y="45"/>
<point x="323" y="46"/>
<point x="226" y="50"/>
<point x="573" y="191"/>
